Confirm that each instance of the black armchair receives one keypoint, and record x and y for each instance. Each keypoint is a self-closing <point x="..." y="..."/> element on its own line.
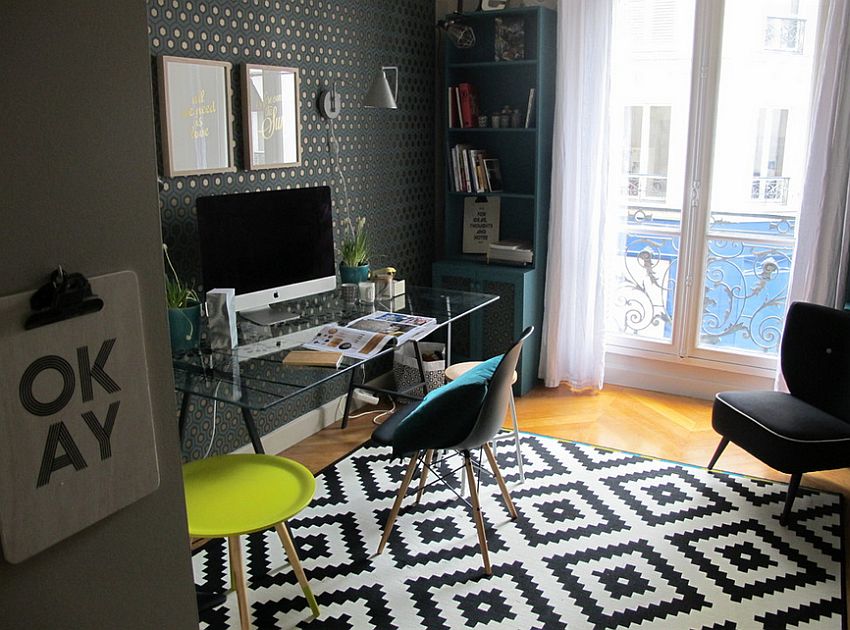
<point x="809" y="429"/>
<point x="462" y="416"/>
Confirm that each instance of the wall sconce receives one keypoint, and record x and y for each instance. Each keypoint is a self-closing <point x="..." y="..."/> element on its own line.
<point x="330" y="102"/>
<point x="379" y="94"/>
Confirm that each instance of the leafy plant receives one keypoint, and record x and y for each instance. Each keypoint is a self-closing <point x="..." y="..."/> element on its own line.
<point x="177" y="294"/>
<point x="355" y="245"/>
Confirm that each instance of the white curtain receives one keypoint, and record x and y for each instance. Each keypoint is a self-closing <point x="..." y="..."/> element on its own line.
<point x="820" y="260"/>
<point x="573" y="322"/>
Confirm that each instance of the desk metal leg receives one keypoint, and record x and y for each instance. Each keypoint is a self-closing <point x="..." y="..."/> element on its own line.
<point x="421" y="365"/>
<point x="448" y="344"/>
<point x="348" y="398"/>
<point x="252" y="431"/>
<point x="181" y="422"/>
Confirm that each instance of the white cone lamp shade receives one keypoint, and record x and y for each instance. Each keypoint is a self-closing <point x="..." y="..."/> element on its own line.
<point x="380" y="94"/>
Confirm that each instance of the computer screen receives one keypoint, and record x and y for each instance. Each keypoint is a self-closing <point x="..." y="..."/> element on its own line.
<point x="269" y="246"/>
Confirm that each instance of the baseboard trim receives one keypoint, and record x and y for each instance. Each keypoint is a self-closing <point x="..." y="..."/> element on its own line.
<point x="678" y="379"/>
<point x="311" y="422"/>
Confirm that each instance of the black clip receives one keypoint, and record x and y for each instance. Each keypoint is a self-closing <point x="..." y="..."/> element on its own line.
<point x="67" y="295"/>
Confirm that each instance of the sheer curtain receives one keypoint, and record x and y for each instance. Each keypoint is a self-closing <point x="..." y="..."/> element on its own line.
<point x="820" y="261"/>
<point x="573" y="322"/>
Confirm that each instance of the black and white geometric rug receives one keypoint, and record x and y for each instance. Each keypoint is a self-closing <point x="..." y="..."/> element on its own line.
<point x="604" y="539"/>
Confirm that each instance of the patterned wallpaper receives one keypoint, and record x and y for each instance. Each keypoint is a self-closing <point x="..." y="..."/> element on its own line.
<point x="387" y="157"/>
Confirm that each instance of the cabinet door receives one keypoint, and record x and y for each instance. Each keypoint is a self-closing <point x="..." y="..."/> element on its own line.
<point x="462" y="344"/>
<point x="499" y="319"/>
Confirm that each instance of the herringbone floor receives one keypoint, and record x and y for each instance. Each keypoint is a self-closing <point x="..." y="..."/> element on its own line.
<point x="661" y="425"/>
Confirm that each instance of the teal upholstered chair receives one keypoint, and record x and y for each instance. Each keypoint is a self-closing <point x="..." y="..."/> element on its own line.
<point x="461" y="417"/>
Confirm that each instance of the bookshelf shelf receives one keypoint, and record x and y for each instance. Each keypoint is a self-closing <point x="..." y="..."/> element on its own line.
<point x="523" y="157"/>
<point x="501" y="194"/>
<point x="500" y="130"/>
<point x="500" y="65"/>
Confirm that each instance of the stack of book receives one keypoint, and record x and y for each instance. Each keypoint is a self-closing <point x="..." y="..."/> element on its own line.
<point x="471" y="171"/>
<point x="463" y="106"/>
<point x="510" y="252"/>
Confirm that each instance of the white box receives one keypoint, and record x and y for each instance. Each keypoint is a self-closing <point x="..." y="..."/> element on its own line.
<point x="221" y="323"/>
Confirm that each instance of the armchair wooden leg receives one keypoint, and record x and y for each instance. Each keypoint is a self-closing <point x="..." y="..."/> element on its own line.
<point x="476" y="513"/>
<point x="724" y="442"/>
<point x="237" y="570"/>
<point x="429" y="455"/>
<point x="491" y="457"/>
<point x="411" y="468"/>
<point x="793" y="485"/>
<point x="295" y="562"/>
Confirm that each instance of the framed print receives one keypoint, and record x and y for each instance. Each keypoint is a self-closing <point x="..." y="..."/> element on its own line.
<point x="271" y="116"/>
<point x="194" y="101"/>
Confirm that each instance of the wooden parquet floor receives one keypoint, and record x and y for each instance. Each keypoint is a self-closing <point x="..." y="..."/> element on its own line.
<point x="650" y="423"/>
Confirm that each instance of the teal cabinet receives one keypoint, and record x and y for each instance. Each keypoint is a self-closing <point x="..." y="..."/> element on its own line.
<point x="490" y="331"/>
<point x="524" y="155"/>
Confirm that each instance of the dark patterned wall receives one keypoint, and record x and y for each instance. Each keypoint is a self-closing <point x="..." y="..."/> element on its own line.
<point x="387" y="156"/>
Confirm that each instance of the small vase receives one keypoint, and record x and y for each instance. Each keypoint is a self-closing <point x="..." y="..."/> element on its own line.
<point x="184" y="325"/>
<point x="353" y="274"/>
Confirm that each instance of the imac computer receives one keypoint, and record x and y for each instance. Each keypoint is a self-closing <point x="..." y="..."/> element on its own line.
<point x="271" y="247"/>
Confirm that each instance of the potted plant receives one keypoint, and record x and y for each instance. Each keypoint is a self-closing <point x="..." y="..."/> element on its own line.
<point x="354" y="266"/>
<point x="184" y="310"/>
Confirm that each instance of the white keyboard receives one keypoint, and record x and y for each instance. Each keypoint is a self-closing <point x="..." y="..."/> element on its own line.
<point x="276" y="344"/>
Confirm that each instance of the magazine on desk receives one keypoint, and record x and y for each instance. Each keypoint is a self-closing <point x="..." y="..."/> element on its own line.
<point x="367" y="336"/>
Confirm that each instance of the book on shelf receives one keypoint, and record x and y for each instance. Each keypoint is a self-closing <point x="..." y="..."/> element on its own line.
<point x="371" y="334"/>
<point x="472" y="171"/>
<point x="452" y="110"/>
<point x="468" y="105"/>
<point x="493" y="173"/>
<point x="529" y="112"/>
<point x="510" y="252"/>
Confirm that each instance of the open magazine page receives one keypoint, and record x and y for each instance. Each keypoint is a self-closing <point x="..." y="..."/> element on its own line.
<point x="359" y="344"/>
<point x="367" y="336"/>
<point x="399" y="325"/>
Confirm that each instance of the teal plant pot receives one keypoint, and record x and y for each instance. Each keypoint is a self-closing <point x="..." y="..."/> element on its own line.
<point x="353" y="274"/>
<point x="184" y="324"/>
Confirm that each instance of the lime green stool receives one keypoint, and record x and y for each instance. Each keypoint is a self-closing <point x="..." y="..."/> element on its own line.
<point x="230" y="495"/>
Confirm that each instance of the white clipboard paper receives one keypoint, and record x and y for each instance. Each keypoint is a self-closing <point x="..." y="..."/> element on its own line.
<point x="76" y="426"/>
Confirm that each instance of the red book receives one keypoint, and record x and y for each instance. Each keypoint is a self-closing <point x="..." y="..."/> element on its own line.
<point x="468" y="105"/>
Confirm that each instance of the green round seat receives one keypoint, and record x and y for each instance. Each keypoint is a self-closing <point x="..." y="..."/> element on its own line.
<point x="231" y="495"/>
<point x="240" y="494"/>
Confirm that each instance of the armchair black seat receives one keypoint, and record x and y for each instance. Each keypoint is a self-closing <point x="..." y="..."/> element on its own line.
<point x="462" y="416"/>
<point x="807" y="429"/>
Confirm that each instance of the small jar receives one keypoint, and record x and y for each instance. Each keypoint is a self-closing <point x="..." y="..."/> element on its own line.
<point x="482" y="120"/>
<point x="516" y="118"/>
<point x="495" y="121"/>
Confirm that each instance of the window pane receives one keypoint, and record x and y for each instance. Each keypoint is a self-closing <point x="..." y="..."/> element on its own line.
<point x="651" y="81"/>
<point x="760" y="143"/>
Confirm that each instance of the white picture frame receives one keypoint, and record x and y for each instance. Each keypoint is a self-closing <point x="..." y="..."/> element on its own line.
<point x="195" y="116"/>
<point x="271" y="116"/>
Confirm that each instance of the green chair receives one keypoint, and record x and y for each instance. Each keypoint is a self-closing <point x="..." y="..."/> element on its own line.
<point x="232" y="495"/>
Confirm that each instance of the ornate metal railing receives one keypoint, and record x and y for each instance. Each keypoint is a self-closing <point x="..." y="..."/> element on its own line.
<point x="746" y="287"/>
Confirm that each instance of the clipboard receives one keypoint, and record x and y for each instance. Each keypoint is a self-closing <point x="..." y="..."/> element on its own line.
<point x="77" y="438"/>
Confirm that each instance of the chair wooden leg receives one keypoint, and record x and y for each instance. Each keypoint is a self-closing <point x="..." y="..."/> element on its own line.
<point x="429" y="455"/>
<point x="476" y="513"/>
<point x="491" y="457"/>
<point x="292" y="554"/>
<point x="793" y="485"/>
<point x="237" y="570"/>
<point x="724" y="442"/>
<point x="411" y="468"/>
<point x="517" y="439"/>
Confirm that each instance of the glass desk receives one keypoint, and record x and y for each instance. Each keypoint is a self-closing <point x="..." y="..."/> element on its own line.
<point x="253" y="377"/>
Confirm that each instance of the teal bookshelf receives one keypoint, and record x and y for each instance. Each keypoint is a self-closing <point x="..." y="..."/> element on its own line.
<point x="525" y="159"/>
